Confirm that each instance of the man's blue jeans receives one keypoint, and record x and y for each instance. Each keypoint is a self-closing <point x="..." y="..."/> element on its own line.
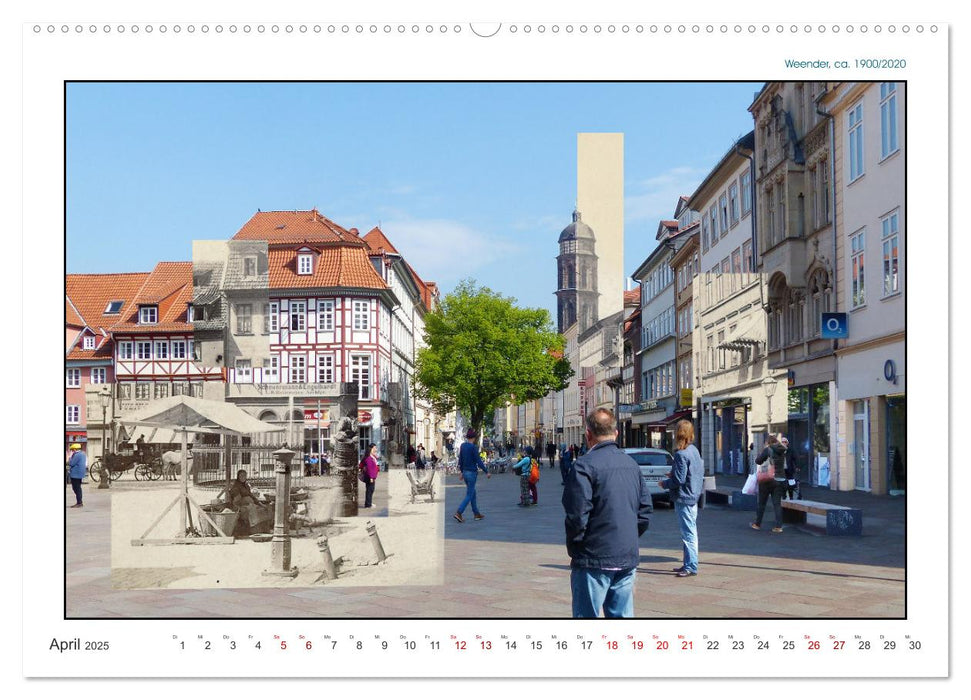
<point x="470" y="478"/>
<point x="688" y="523"/>
<point x="596" y="588"/>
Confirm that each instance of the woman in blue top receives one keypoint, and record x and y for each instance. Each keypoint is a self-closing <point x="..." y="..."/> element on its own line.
<point x="685" y="484"/>
<point x="524" y="465"/>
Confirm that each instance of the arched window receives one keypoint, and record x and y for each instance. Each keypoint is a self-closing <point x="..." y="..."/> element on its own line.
<point x="268" y="416"/>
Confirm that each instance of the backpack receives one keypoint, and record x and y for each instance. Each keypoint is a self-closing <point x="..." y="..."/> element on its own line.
<point x="533" y="471"/>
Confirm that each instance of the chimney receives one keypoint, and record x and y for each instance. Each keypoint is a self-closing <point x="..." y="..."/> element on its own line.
<point x="355" y="232"/>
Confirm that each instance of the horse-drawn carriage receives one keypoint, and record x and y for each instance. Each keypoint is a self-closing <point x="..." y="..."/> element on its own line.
<point x="147" y="465"/>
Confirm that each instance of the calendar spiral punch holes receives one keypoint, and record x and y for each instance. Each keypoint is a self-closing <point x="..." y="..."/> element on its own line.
<point x="396" y="290"/>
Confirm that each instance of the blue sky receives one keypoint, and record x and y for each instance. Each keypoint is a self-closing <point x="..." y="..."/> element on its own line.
<point x="468" y="180"/>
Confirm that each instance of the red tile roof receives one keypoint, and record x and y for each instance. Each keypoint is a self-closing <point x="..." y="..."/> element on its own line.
<point x="90" y="294"/>
<point x="71" y="315"/>
<point x="169" y="286"/>
<point x="290" y="227"/>
<point x="632" y="298"/>
<point x="378" y="242"/>
<point x="87" y="299"/>
<point x="334" y="266"/>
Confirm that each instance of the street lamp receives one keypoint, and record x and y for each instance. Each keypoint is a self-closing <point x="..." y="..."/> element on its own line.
<point x="768" y="385"/>
<point x="105" y="397"/>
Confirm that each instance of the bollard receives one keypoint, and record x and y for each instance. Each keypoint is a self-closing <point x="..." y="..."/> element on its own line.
<point x="372" y="532"/>
<point x="330" y="570"/>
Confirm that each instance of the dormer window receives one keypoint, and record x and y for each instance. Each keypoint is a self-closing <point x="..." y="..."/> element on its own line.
<point x="249" y="266"/>
<point x="88" y="342"/>
<point x="305" y="264"/>
<point x="114" y="307"/>
<point x="148" y="314"/>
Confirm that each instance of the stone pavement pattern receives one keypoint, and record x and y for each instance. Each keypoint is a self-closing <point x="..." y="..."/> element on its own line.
<point x="513" y="564"/>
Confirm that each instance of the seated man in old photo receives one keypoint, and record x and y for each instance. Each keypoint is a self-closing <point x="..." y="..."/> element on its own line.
<point x="255" y="514"/>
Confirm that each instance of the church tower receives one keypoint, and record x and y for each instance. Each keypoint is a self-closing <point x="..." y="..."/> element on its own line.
<point x="576" y="288"/>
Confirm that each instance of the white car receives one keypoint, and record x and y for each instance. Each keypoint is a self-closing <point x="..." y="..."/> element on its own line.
<point x="655" y="466"/>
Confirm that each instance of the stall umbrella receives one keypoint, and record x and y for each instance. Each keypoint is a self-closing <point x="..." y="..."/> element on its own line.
<point x="184" y="415"/>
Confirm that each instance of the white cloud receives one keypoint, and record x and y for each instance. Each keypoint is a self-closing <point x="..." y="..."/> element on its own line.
<point x="445" y="251"/>
<point x="656" y="197"/>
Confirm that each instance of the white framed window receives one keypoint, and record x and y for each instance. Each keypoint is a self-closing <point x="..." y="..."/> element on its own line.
<point x="160" y="390"/>
<point x="325" y="369"/>
<point x="298" y="369"/>
<point x="148" y="314"/>
<point x="890" y="229"/>
<point x="180" y="388"/>
<point x="143" y="391"/>
<point x="733" y="209"/>
<point x="888" y="119"/>
<point x="73" y="378"/>
<point x="361" y="373"/>
<point x="72" y="415"/>
<point x="855" y="151"/>
<point x="857" y="268"/>
<point x="88" y="342"/>
<point x="99" y="375"/>
<point x="298" y="315"/>
<point x="362" y="315"/>
<point x="114" y="307"/>
<point x="704" y="234"/>
<point x="723" y="210"/>
<point x="746" y="182"/>
<point x="179" y="350"/>
<point x="713" y="223"/>
<point x="325" y="315"/>
<point x="161" y="349"/>
<point x="125" y="350"/>
<point x="244" y="371"/>
<point x="143" y="350"/>
<point x="305" y="264"/>
<point x="244" y="319"/>
<point x="271" y="317"/>
<point x="271" y="369"/>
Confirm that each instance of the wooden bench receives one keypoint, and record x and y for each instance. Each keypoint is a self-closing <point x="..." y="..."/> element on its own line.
<point x="840" y="520"/>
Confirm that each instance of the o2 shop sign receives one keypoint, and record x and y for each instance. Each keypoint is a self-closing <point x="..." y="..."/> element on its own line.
<point x="835" y="325"/>
<point x="364" y="417"/>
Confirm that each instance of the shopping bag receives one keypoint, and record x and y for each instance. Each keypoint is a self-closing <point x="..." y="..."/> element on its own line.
<point x="751" y="485"/>
<point x="764" y="472"/>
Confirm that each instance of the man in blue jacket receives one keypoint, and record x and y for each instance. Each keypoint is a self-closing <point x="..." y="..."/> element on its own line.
<point x="78" y="464"/>
<point x="607" y="506"/>
<point x="469" y="464"/>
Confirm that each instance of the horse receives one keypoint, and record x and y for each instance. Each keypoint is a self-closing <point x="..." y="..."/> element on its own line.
<point x="171" y="464"/>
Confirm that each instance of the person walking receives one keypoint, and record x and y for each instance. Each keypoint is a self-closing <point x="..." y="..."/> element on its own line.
<point x="607" y="506"/>
<point x="792" y="471"/>
<point x="469" y="464"/>
<point x="566" y="462"/>
<point x="78" y="465"/>
<point x="523" y="468"/>
<point x="420" y="457"/>
<point x="685" y="485"/>
<point x="551" y="453"/>
<point x="369" y="473"/>
<point x="775" y="454"/>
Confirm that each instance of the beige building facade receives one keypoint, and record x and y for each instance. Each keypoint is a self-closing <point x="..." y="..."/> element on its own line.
<point x="868" y="127"/>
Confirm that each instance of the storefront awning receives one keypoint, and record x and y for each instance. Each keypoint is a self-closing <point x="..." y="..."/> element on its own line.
<point x="673" y="418"/>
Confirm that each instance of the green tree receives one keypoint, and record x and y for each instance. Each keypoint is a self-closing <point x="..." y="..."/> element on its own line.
<point x="482" y="350"/>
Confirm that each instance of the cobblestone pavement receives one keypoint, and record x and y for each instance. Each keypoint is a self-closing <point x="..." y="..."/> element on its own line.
<point x="513" y="564"/>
